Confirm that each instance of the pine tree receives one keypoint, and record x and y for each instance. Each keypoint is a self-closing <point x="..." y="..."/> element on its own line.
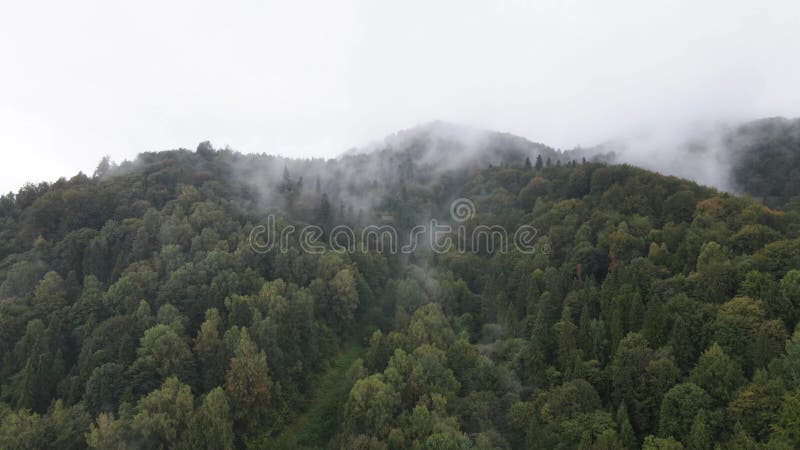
<point x="567" y="347"/>
<point x="584" y="334"/>
<point x="325" y="213"/>
<point x="287" y="183"/>
<point x="626" y="433"/>
<point x="539" y="162"/>
<point x="681" y="343"/>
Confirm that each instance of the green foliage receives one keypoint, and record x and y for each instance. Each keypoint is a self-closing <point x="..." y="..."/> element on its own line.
<point x="133" y="312"/>
<point x="626" y="434"/>
<point x="787" y="428"/>
<point x="717" y="374"/>
<point x="105" y="388"/>
<point x="211" y="426"/>
<point x="679" y="408"/>
<point x="791" y="361"/>
<point x="657" y="443"/>
<point x="699" y="436"/>
<point x="247" y="383"/>
<point x="61" y="427"/>
<point x="163" y="416"/>
<point x="370" y="407"/>
<point x="756" y="405"/>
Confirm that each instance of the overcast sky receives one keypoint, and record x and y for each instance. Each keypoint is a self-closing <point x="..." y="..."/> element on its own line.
<point x="79" y="80"/>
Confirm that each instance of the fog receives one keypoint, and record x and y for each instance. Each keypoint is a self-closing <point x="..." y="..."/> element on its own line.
<point x="80" y="80"/>
<point x="699" y="151"/>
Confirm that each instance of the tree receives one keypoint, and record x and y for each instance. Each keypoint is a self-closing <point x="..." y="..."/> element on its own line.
<point x="741" y="440"/>
<point x="630" y="362"/>
<point x="787" y="427"/>
<point x="735" y="329"/>
<point x="683" y="341"/>
<point x="50" y="294"/>
<point x="123" y="295"/>
<point x="626" y="433"/>
<point x="420" y="374"/>
<point x="717" y="374"/>
<point x="325" y="213"/>
<point x="90" y="307"/>
<point x="769" y="343"/>
<point x="247" y="383"/>
<point x="757" y="404"/>
<point x="169" y="353"/>
<point x="656" y="443"/>
<point x="378" y="353"/>
<point x="344" y="299"/>
<point x="109" y="434"/>
<point x="608" y="440"/>
<point x="791" y="362"/>
<point x="660" y="375"/>
<point x="429" y="325"/>
<point x="790" y="296"/>
<point x="105" y="388"/>
<point x="539" y="163"/>
<point x="205" y="148"/>
<point x="679" y="408"/>
<point x="24" y="430"/>
<point x="210" y="350"/>
<point x="43" y="367"/>
<point x="567" y="350"/>
<point x="679" y="206"/>
<point x="211" y="426"/>
<point x="370" y="407"/>
<point x="527" y="162"/>
<point x="569" y="400"/>
<point x="62" y="427"/>
<point x="103" y="167"/>
<point x="699" y="437"/>
<point x="716" y="276"/>
<point x="162" y="416"/>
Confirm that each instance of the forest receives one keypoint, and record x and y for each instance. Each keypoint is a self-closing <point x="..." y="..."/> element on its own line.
<point x="134" y="313"/>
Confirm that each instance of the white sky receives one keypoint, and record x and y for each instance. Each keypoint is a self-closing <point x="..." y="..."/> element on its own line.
<point x="81" y="79"/>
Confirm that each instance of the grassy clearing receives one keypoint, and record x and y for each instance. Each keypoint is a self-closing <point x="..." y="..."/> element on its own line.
<point x="319" y="423"/>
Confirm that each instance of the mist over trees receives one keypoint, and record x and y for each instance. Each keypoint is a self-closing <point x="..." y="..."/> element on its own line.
<point x="135" y="314"/>
<point x="758" y="158"/>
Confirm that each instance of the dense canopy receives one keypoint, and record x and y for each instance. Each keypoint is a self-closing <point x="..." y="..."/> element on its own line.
<point x="655" y="313"/>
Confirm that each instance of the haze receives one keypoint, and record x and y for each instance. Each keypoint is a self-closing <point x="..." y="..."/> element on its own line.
<point x="80" y="80"/>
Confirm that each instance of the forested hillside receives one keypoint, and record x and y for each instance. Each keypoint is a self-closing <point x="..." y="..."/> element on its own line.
<point x="657" y="313"/>
<point x="766" y="155"/>
<point x="759" y="159"/>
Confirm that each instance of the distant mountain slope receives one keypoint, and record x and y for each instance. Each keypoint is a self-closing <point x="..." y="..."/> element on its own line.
<point x="766" y="160"/>
<point x="760" y="159"/>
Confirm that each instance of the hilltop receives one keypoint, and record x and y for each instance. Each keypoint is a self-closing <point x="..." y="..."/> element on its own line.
<point x="653" y="311"/>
